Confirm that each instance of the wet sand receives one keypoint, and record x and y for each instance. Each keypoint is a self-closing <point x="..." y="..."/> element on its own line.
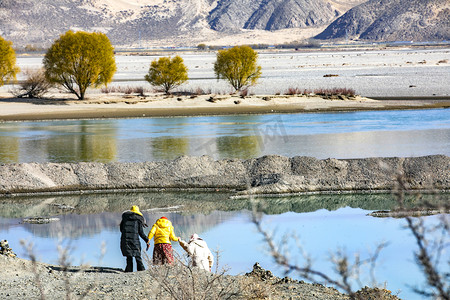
<point x="158" y="105"/>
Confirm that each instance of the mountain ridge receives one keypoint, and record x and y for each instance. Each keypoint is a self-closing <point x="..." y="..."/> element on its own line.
<point x="162" y="23"/>
<point x="393" y="20"/>
<point x="182" y="21"/>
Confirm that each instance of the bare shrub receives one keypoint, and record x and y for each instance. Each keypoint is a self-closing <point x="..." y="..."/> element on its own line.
<point x="37" y="275"/>
<point x="182" y="281"/>
<point x="244" y="93"/>
<point x="34" y="86"/>
<point x="335" y="91"/>
<point x="110" y="89"/>
<point x="127" y="90"/>
<point x="139" y="90"/>
<point x="253" y="288"/>
<point x="293" y="91"/>
<point x="199" y="91"/>
<point x="297" y="91"/>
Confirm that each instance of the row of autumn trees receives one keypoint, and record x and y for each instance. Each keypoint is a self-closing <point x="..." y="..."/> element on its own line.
<point x="79" y="60"/>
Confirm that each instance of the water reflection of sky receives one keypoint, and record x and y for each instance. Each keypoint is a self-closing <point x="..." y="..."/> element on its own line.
<point x="320" y="135"/>
<point x="216" y="126"/>
<point x="240" y="245"/>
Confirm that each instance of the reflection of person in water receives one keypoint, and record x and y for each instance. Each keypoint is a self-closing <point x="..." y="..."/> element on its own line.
<point x="163" y="232"/>
<point x="131" y="228"/>
<point x="199" y="252"/>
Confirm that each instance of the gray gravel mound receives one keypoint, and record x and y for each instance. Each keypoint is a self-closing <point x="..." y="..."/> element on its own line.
<point x="270" y="174"/>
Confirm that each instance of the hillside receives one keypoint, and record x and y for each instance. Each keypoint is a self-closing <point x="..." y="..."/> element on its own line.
<point x="393" y="20"/>
<point x="270" y="15"/>
<point x="165" y="22"/>
<point x="146" y="23"/>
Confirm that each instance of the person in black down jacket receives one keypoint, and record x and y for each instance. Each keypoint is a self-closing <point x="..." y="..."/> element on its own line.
<point x="131" y="227"/>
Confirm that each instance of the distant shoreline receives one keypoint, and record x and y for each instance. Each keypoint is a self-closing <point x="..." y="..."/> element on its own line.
<point x="107" y="106"/>
<point x="338" y="47"/>
<point x="433" y="99"/>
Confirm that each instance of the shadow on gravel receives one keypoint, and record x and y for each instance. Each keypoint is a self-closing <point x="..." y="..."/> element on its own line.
<point x="38" y="101"/>
<point x="88" y="270"/>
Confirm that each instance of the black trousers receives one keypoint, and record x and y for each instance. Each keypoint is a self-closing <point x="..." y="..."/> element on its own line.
<point x="139" y="264"/>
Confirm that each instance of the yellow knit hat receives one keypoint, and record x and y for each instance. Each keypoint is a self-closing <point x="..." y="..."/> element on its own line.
<point x="136" y="210"/>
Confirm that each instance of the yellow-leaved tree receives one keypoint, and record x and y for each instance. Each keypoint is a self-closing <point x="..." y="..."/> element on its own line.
<point x="238" y="65"/>
<point x="167" y="73"/>
<point x="78" y="60"/>
<point x="8" y="68"/>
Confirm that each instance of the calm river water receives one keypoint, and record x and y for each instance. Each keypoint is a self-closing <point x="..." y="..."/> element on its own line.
<point x="320" y="135"/>
<point x="321" y="222"/>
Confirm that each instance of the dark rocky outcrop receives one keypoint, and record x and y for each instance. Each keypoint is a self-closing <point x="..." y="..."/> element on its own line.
<point x="5" y="249"/>
<point x="264" y="175"/>
<point x="393" y="20"/>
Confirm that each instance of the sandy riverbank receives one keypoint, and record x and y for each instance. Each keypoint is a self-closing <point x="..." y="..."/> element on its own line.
<point x="65" y="106"/>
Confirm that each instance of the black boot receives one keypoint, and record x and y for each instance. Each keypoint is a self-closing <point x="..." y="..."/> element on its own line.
<point x="140" y="264"/>
<point x="129" y="267"/>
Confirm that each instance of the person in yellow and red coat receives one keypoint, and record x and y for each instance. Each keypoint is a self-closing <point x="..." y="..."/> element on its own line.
<point x="163" y="233"/>
<point x="131" y="228"/>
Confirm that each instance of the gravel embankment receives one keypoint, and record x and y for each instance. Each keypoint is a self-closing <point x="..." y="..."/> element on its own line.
<point x="270" y="174"/>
